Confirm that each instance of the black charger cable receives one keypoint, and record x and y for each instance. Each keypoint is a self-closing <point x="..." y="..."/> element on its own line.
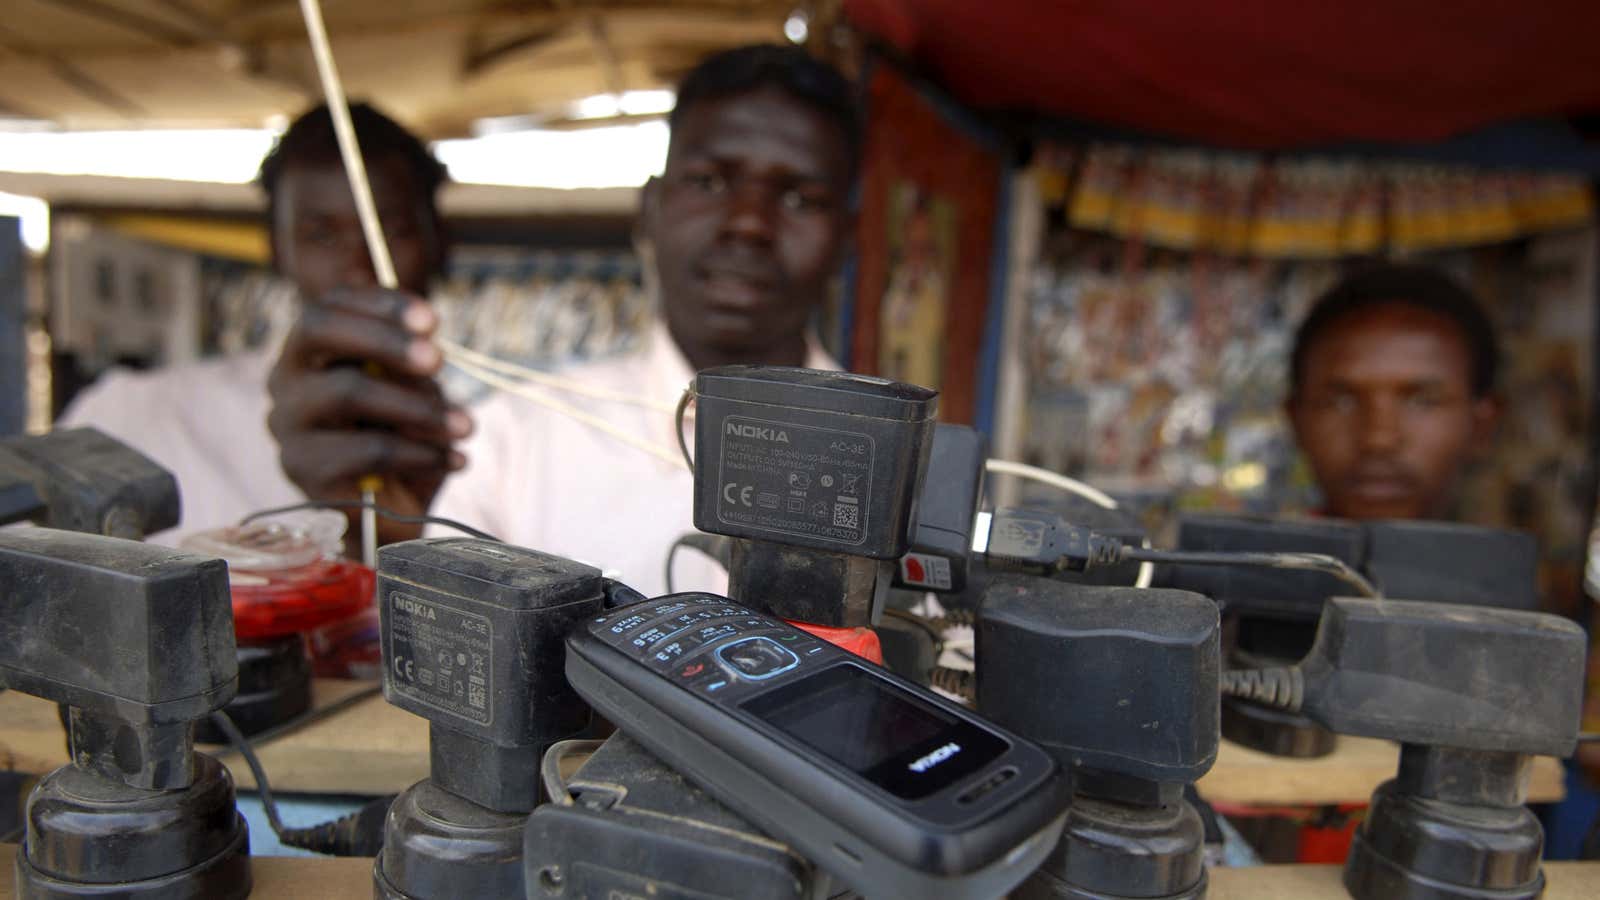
<point x="715" y="546"/>
<point x="1312" y="562"/>
<point x="555" y="787"/>
<point x="1040" y="541"/>
<point x="357" y="834"/>
<point x="618" y="594"/>
<point x="385" y="512"/>
<point x="1284" y="688"/>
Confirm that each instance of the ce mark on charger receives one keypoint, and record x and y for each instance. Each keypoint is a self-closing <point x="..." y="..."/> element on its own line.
<point x="734" y="494"/>
<point x="404" y="668"/>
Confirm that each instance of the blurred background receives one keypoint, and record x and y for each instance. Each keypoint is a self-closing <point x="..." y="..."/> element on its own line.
<point x="1093" y="226"/>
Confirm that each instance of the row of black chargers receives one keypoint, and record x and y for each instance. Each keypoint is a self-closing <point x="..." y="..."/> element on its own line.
<point x="137" y="641"/>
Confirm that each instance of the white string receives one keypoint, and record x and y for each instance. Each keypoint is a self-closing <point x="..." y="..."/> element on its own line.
<point x="471" y="362"/>
<point x="454" y="352"/>
<point x="1071" y="485"/>
<point x="382" y="264"/>
<point x="372" y="230"/>
<point x="339" y="109"/>
<point x="1089" y="492"/>
<point x="522" y="390"/>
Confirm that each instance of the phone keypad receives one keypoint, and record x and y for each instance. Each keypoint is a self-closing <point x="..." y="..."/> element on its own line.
<point x="710" y="645"/>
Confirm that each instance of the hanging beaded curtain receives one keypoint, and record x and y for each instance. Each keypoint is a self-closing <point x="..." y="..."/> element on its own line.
<point x="1261" y="206"/>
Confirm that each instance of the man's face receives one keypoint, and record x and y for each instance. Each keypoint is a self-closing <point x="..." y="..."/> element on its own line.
<point x="316" y="234"/>
<point x="748" y="219"/>
<point x="1386" y="415"/>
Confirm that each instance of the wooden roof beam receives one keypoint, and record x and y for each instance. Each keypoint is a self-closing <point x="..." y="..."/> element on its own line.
<point x="481" y="56"/>
<point x="70" y="74"/>
<point x="610" y="62"/>
<point x="157" y="30"/>
<point x="194" y="15"/>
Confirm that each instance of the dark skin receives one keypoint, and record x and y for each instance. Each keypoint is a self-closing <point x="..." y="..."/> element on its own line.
<point x="748" y="220"/>
<point x="1386" y="414"/>
<point x="335" y="418"/>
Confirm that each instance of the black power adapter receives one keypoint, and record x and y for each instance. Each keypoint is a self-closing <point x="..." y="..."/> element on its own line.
<point x="78" y="479"/>
<point x="815" y="476"/>
<point x="1273" y="613"/>
<point x="1471" y="694"/>
<point x="1120" y="684"/>
<point x="940" y="558"/>
<point x="806" y="458"/>
<point x="472" y="642"/>
<point x="137" y="642"/>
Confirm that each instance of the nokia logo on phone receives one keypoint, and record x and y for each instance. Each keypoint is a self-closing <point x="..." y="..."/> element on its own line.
<point x="934" y="758"/>
<point x="776" y="435"/>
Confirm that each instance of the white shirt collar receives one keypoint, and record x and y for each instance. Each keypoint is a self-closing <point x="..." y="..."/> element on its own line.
<point x="669" y="371"/>
<point x="666" y="358"/>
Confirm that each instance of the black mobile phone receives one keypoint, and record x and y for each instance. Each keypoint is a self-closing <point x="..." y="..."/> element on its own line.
<point x="890" y="787"/>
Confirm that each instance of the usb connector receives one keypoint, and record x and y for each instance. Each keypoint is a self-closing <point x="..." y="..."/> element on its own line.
<point x="1038" y="541"/>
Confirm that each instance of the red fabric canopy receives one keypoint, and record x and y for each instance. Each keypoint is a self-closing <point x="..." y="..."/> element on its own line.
<point x="1257" y="73"/>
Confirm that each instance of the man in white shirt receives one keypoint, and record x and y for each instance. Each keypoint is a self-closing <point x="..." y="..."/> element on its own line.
<point x="747" y="224"/>
<point x="541" y="479"/>
<point x="206" y="422"/>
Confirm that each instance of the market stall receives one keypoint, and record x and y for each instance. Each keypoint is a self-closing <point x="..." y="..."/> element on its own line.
<point x="1177" y="184"/>
<point x="1174" y="186"/>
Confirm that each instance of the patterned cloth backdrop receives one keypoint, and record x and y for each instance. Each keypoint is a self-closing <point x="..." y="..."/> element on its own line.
<point x="1158" y="372"/>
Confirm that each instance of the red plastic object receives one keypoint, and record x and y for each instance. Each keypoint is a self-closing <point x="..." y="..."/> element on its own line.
<point x="1327" y="838"/>
<point x="290" y="601"/>
<point x="863" y="642"/>
<point x="349" y="648"/>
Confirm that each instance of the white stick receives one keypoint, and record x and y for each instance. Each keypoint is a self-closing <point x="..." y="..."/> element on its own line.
<point x="355" y="168"/>
<point x="382" y="264"/>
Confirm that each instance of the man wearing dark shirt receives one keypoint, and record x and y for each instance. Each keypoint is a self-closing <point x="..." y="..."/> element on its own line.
<point x="1392" y="392"/>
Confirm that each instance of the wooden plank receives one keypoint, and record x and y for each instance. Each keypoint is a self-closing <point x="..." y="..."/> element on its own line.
<point x="373" y="748"/>
<point x="1247" y="777"/>
<point x="1564" y="881"/>
<point x="284" y="878"/>
<point x="274" y="877"/>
